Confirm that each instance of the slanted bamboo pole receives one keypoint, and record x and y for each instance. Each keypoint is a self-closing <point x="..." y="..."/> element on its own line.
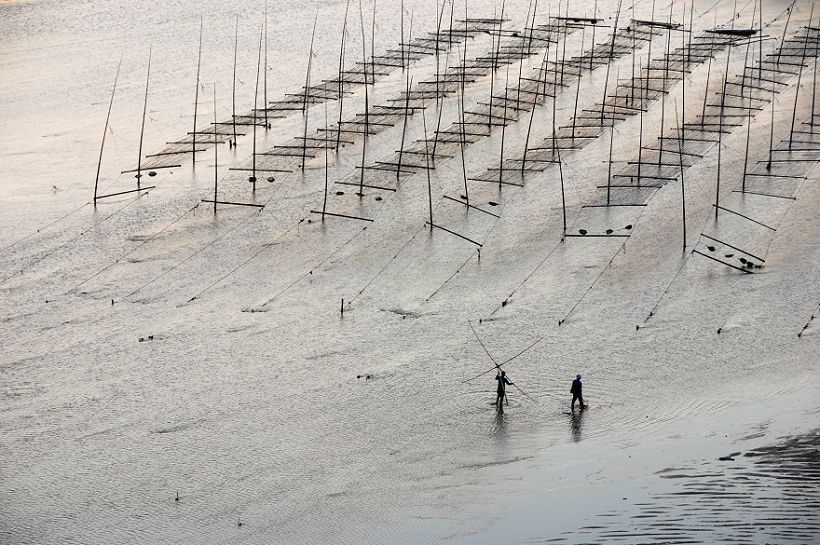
<point x="233" y="95"/>
<point x="680" y="162"/>
<point x="307" y="90"/>
<point x="341" y="76"/>
<point x="578" y="92"/>
<point x="461" y="115"/>
<point x="609" y="63"/>
<point x="142" y="125"/>
<point x="255" y="105"/>
<point x="427" y="160"/>
<point x="665" y="80"/>
<point x="366" y="104"/>
<point x="611" y="142"/>
<point x="265" y="72"/>
<point x="324" y="201"/>
<point x="557" y="148"/>
<point x="216" y="155"/>
<point x="799" y="77"/>
<point x="105" y="130"/>
<point x="544" y="64"/>
<point x="408" y="85"/>
<point x="640" y="118"/>
<point x="196" y="94"/>
<point x="401" y="10"/>
<point x="594" y="26"/>
<point x="503" y="130"/>
<point x="749" y="109"/>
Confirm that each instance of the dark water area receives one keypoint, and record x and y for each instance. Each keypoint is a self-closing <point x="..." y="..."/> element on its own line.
<point x="767" y="494"/>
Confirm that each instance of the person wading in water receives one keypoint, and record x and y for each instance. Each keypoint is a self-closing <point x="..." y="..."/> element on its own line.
<point x="576" y="391"/>
<point x="502" y="388"/>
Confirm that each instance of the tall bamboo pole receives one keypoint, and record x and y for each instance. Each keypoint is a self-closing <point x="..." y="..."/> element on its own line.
<point x="105" y="130"/>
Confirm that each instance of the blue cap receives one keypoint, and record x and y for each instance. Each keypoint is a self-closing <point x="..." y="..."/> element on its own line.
<point x="578" y="377"/>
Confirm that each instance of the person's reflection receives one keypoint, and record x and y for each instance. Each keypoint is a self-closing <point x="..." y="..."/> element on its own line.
<point x="500" y="427"/>
<point x="575" y="424"/>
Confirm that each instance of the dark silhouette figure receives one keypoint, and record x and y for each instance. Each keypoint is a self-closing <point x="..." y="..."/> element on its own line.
<point x="577" y="393"/>
<point x="502" y="388"/>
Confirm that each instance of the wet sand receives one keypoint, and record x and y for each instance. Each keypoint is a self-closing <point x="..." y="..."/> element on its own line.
<point x="224" y="372"/>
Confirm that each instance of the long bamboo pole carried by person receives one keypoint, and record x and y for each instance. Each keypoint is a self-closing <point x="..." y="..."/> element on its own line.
<point x="495" y="362"/>
<point x="505" y="362"/>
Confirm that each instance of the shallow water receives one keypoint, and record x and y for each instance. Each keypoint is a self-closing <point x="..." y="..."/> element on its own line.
<point x="244" y="400"/>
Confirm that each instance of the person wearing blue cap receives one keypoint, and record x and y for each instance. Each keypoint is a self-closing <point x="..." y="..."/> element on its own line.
<point x="577" y="394"/>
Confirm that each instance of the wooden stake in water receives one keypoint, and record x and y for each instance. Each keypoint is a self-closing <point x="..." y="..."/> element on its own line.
<point x="408" y="85"/>
<point x="578" y="91"/>
<point x="521" y="58"/>
<point x="684" y="70"/>
<point x="532" y="27"/>
<point x="594" y="26"/>
<point x="216" y="156"/>
<point x="748" y="109"/>
<point x="559" y="65"/>
<point x="427" y="160"/>
<point x="527" y="22"/>
<point x="497" y="52"/>
<point x="557" y="149"/>
<point x="680" y="162"/>
<point x="720" y="122"/>
<point x="233" y="95"/>
<point x="450" y="30"/>
<point x="813" y="93"/>
<point x="440" y="106"/>
<point x="691" y="32"/>
<point x="196" y="94"/>
<point x="105" y="130"/>
<point x="665" y="79"/>
<point x="324" y="202"/>
<point x="307" y="90"/>
<point x="631" y="94"/>
<point x="255" y="105"/>
<point x="685" y="67"/>
<point x="503" y="130"/>
<point x="142" y="126"/>
<point x="492" y="80"/>
<point x="438" y="48"/>
<point x="708" y="76"/>
<point x="463" y="140"/>
<point x="748" y="138"/>
<point x="771" y="129"/>
<point x="649" y="45"/>
<point x="373" y="47"/>
<point x="785" y="29"/>
<point x="564" y="44"/>
<point x="760" y="43"/>
<point x="461" y="116"/>
<point x="720" y="143"/>
<point x="799" y="77"/>
<point x="611" y="141"/>
<point x="341" y="76"/>
<point x="543" y="91"/>
<point x="640" y="116"/>
<point x="265" y="79"/>
<point x="366" y="104"/>
<point x="403" y="61"/>
<point x="609" y="63"/>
